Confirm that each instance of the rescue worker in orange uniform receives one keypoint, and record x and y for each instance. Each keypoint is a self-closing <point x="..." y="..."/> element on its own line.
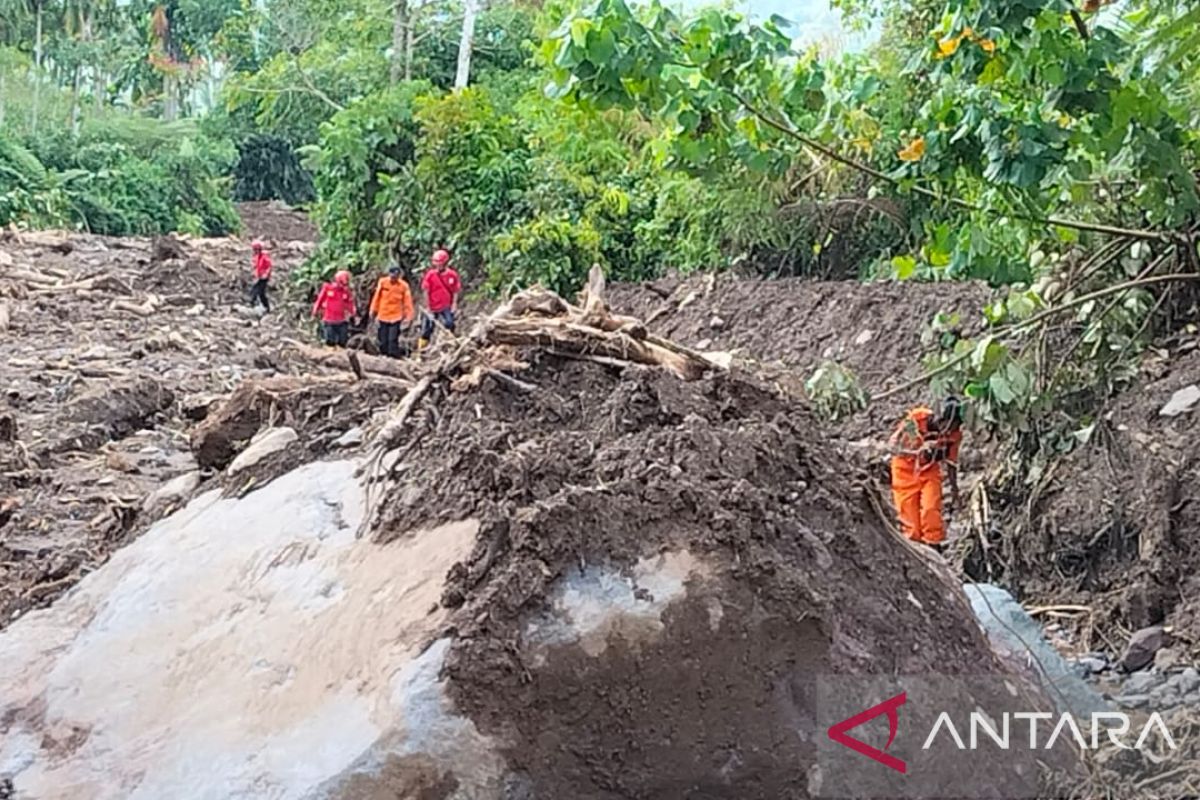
<point x="392" y="305"/>
<point x="924" y="446"/>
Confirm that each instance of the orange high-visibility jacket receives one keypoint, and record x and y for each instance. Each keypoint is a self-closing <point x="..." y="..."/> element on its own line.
<point x="392" y="301"/>
<point x="919" y="449"/>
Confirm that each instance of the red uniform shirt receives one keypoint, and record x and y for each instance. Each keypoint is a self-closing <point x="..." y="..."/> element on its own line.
<point x="262" y="265"/>
<point x="440" y="288"/>
<point x="336" y="302"/>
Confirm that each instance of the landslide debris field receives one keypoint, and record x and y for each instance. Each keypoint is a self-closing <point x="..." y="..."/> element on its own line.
<point x="115" y="350"/>
<point x="607" y="531"/>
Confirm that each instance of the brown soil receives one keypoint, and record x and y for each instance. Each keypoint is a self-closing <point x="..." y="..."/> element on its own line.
<point x="275" y="223"/>
<point x="874" y="329"/>
<point x="606" y="466"/>
<point x="1115" y="526"/>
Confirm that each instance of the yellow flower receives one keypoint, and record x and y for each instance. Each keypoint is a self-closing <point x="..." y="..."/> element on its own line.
<point x="968" y="32"/>
<point x="861" y="143"/>
<point x="988" y="46"/>
<point x="915" y="150"/>
<point x="948" y="46"/>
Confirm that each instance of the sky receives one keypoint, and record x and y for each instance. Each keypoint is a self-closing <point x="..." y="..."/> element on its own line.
<point x="815" y="22"/>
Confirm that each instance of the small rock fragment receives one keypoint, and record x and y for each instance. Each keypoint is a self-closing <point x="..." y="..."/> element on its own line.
<point x="1181" y="402"/>
<point x="268" y="442"/>
<point x="1142" y="683"/>
<point x="173" y="492"/>
<point x="1142" y="647"/>
<point x="350" y="438"/>
<point x="1167" y="659"/>
<point x="1133" y="700"/>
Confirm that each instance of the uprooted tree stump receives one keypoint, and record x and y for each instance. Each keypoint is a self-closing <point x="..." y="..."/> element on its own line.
<point x="538" y="317"/>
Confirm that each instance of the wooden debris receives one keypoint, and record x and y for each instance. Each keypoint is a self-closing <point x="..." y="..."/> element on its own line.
<point x="345" y="359"/>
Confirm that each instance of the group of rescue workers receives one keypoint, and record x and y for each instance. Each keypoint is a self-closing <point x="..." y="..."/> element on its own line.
<point x="391" y="303"/>
<point x="924" y="446"/>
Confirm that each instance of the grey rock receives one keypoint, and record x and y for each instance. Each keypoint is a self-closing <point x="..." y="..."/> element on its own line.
<point x="1019" y="639"/>
<point x="350" y="438"/>
<point x="172" y="493"/>
<point x="1091" y="665"/>
<point x="1181" y="402"/>
<point x="1167" y="659"/>
<point x="1133" y="700"/>
<point x="1189" y="680"/>
<point x="266" y="443"/>
<point x="704" y="344"/>
<point x="716" y="323"/>
<point x="1142" y="647"/>
<point x="1142" y="683"/>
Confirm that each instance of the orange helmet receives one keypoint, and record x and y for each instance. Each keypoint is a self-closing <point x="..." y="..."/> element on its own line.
<point x="342" y="277"/>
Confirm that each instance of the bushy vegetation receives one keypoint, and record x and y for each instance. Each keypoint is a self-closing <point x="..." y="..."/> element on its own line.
<point x="119" y="177"/>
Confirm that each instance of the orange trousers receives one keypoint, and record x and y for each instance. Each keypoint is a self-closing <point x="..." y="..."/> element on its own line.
<point x="918" y="497"/>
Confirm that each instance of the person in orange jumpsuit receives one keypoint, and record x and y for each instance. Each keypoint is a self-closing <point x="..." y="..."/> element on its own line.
<point x="924" y="445"/>
<point x="392" y="305"/>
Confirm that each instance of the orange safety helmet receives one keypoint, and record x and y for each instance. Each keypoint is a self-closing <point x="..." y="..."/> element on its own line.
<point x="342" y="277"/>
<point x="440" y="258"/>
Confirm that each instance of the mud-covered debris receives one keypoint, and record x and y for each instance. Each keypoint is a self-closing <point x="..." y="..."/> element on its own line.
<point x="112" y="411"/>
<point x="168" y="248"/>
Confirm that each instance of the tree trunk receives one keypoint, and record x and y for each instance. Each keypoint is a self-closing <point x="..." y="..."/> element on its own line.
<point x="400" y="26"/>
<point x="466" y="43"/>
<point x="76" y="83"/>
<point x="410" y="43"/>
<point x="170" y="97"/>
<point x="37" y="67"/>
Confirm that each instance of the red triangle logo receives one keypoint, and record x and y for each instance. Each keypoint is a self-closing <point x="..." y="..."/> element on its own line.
<point x="838" y="732"/>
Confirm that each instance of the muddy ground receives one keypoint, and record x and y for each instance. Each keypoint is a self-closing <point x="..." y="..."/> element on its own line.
<point x="115" y="349"/>
<point x="790" y="326"/>
<point x="603" y="467"/>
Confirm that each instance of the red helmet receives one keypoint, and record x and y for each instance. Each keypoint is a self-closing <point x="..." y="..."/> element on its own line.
<point x="440" y="258"/>
<point x="342" y="277"/>
<point x="257" y="245"/>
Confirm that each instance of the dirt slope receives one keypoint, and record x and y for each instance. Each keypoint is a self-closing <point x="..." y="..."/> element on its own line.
<point x="875" y="329"/>
<point x="590" y="481"/>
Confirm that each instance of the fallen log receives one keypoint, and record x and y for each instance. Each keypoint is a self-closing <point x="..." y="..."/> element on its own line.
<point x="340" y="359"/>
<point x="571" y="336"/>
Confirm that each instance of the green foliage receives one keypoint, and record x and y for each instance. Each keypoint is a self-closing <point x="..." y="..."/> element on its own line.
<point x="120" y="176"/>
<point x="269" y="168"/>
<point x="466" y="180"/>
<point x="362" y="150"/>
<point x="834" y="391"/>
